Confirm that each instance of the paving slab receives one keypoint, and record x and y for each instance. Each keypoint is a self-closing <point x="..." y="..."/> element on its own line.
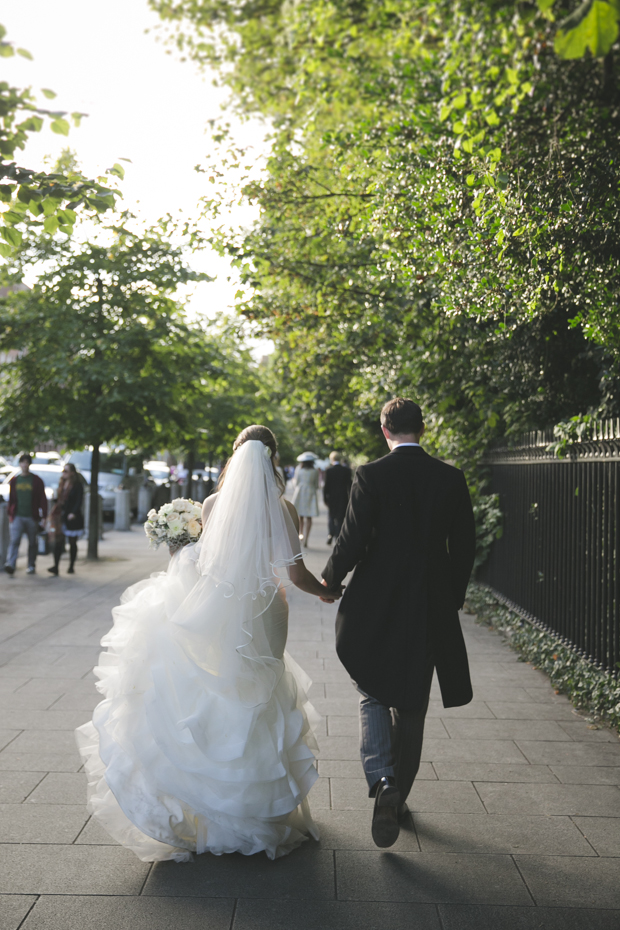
<point x="66" y="869"/>
<point x="493" y="771"/>
<point x="430" y="878"/>
<point x="501" y="834"/>
<point x="59" y="788"/>
<point x="481" y="917"/>
<point x="334" y="915"/>
<point x="587" y="774"/>
<point x="309" y="873"/>
<point x="13" y="909"/>
<point x="15" y="786"/>
<point x="39" y="761"/>
<point x="506" y="729"/>
<point x="588" y="732"/>
<point x="603" y="833"/>
<point x="472" y="750"/>
<point x="588" y="800"/>
<point x="21" y="823"/>
<point x="556" y="881"/>
<point x="129" y="913"/>
<point x="572" y="753"/>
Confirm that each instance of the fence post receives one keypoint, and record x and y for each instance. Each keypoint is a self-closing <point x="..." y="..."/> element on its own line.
<point x="122" y="510"/>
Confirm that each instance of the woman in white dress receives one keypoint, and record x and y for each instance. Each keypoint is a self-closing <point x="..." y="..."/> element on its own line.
<point x="306" y="486"/>
<point x="202" y="742"/>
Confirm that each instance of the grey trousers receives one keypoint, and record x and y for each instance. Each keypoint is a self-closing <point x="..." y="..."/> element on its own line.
<point x="391" y="739"/>
<point x="19" y="526"/>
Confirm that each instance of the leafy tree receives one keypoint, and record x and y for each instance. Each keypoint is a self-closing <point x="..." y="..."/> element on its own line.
<point x="441" y="187"/>
<point x="39" y="199"/>
<point x="103" y="351"/>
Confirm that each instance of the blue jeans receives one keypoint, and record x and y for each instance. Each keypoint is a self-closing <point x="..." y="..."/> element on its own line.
<point x="391" y="739"/>
<point x="19" y="526"/>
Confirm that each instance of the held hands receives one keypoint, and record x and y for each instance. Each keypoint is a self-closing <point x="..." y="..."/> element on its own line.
<point x="331" y="594"/>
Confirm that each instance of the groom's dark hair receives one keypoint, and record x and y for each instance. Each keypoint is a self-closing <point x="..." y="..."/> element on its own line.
<point x="402" y="417"/>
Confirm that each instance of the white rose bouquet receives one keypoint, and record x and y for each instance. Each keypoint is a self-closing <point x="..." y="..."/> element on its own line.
<point x="176" y="524"/>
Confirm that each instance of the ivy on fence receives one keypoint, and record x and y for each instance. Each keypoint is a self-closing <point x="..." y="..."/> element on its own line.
<point x="589" y="688"/>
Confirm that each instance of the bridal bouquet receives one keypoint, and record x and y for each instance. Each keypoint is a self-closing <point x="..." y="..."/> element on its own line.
<point x="176" y="524"/>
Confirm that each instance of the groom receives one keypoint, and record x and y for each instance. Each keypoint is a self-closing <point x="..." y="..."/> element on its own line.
<point x="409" y="534"/>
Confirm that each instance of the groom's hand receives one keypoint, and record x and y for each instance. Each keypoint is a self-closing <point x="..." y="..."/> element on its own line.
<point x="332" y="594"/>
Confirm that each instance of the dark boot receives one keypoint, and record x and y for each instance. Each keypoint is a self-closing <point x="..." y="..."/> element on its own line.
<point x="72" y="555"/>
<point x="59" y="546"/>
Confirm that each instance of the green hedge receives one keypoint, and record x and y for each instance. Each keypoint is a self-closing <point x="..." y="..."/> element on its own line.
<point x="589" y="688"/>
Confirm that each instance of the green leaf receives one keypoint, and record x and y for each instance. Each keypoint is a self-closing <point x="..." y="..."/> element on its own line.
<point x="470" y="180"/>
<point x="459" y="102"/>
<point x="6" y="50"/>
<point x="12" y="236"/>
<point x="50" y="224"/>
<point x="444" y="113"/>
<point x="67" y="217"/>
<point x="5" y="250"/>
<point x="6" y="193"/>
<point x="118" y="170"/>
<point x="60" y="126"/>
<point x="544" y="5"/>
<point x="597" y="31"/>
<point x="24" y="53"/>
<point x="458" y="127"/>
<point x="50" y="94"/>
<point x="492" y="118"/>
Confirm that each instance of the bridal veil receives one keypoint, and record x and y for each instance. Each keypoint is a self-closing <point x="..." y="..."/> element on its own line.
<point x="202" y="741"/>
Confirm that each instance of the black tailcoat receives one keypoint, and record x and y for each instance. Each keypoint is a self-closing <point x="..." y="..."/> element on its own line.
<point x="409" y="534"/>
<point x="337" y="489"/>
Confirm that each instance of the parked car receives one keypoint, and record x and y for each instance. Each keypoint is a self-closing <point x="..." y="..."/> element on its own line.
<point x="112" y="477"/>
<point x="47" y="458"/>
<point x="158" y="471"/>
<point x="50" y="475"/>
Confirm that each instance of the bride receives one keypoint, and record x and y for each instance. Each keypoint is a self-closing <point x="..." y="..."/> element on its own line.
<point x="202" y="742"/>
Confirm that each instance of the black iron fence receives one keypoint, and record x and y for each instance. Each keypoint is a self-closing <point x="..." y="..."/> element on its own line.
<point x="558" y="558"/>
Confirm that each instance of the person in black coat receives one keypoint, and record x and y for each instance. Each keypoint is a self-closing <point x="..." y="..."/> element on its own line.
<point x="68" y="517"/>
<point x="336" y="491"/>
<point x="409" y="534"/>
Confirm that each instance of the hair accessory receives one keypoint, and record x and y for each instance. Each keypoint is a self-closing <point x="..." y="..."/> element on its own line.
<point x="267" y="452"/>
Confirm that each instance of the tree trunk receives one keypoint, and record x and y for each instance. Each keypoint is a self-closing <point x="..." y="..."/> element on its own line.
<point x="190" y="460"/>
<point x="93" y="518"/>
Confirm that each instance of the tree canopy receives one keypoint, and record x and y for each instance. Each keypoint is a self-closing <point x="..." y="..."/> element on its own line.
<point x="38" y="199"/>
<point x="439" y="210"/>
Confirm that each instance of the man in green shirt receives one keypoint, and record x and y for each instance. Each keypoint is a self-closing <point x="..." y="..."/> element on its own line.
<point x="27" y="508"/>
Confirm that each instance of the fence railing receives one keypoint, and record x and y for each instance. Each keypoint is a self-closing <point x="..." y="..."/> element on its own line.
<point x="558" y="559"/>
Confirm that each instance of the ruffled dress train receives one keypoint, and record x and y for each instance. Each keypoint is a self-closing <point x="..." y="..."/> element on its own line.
<point x="202" y="742"/>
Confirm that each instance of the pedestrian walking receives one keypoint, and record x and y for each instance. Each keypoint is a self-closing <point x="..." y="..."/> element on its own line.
<point x="27" y="508"/>
<point x="409" y="534"/>
<point x="305" y="488"/>
<point x="67" y="517"/>
<point x="336" y="491"/>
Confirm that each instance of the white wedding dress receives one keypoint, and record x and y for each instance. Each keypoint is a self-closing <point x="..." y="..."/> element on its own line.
<point x="203" y="741"/>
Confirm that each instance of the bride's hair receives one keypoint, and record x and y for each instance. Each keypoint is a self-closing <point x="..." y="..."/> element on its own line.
<point x="262" y="434"/>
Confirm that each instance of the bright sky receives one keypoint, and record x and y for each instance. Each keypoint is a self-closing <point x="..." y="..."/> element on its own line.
<point x="143" y="104"/>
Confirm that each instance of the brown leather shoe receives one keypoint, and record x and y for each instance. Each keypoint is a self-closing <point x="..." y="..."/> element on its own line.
<point x="385" y="826"/>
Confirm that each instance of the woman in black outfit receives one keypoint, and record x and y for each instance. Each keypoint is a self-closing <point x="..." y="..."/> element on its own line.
<point x="68" y="516"/>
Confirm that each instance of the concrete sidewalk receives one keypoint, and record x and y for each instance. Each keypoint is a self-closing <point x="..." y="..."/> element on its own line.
<point x="516" y="819"/>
